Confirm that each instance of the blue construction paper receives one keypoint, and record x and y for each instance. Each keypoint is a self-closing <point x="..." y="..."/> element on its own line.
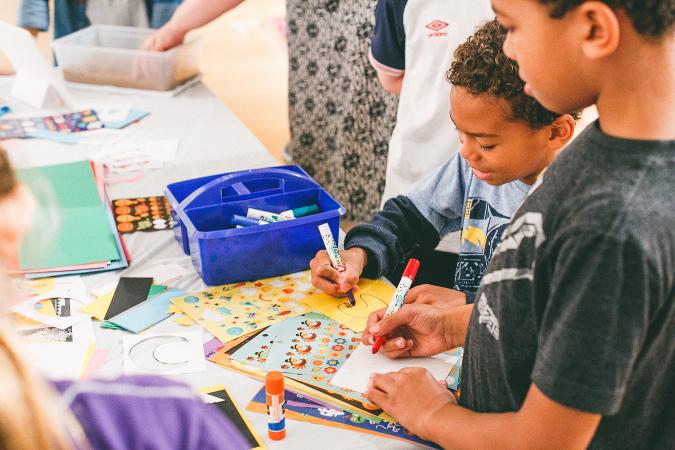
<point x="343" y="418"/>
<point x="61" y="138"/>
<point x="133" y="116"/>
<point x="147" y="313"/>
<point x="255" y="352"/>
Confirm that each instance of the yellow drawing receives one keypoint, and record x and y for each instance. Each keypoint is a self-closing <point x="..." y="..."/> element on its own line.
<point x="371" y="296"/>
<point x="475" y="236"/>
<point x="233" y="310"/>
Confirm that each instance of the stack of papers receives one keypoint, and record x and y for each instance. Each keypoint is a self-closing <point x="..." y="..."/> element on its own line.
<point x="73" y="229"/>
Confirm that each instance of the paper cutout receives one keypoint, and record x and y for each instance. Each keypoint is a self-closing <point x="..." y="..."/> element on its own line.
<point x="129" y="292"/>
<point x="224" y="402"/>
<point x="147" y="313"/>
<point x="141" y="353"/>
<point x="372" y="295"/>
<point x="232" y="310"/>
<point x="99" y="306"/>
<point x="307" y="409"/>
<point x="31" y="308"/>
<point x="184" y="320"/>
<point x="143" y="214"/>
<point x="362" y="363"/>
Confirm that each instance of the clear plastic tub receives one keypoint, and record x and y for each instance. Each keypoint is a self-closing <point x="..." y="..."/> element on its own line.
<point x="109" y="55"/>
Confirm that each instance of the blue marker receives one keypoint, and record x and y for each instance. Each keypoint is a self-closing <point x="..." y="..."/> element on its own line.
<point x="246" y="222"/>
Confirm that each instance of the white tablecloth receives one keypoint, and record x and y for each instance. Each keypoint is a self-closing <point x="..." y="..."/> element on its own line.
<point x="212" y="140"/>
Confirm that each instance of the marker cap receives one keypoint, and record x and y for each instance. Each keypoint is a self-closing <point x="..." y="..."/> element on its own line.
<point x="305" y="210"/>
<point x="411" y="268"/>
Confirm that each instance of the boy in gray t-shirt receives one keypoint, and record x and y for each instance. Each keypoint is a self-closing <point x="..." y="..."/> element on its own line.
<point x="570" y="344"/>
<point x="507" y="140"/>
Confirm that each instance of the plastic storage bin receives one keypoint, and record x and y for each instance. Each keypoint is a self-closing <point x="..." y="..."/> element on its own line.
<point x="221" y="253"/>
<point x="109" y="55"/>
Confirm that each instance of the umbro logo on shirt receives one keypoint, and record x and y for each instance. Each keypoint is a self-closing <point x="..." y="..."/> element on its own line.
<point x="436" y="26"/>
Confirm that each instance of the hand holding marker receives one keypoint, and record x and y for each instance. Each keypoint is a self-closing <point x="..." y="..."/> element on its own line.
<point x="399" y="296"/>
<point x="334" y="255"/>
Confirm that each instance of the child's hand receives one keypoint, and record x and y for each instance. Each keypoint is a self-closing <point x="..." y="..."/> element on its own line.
<point x="411" y="396"/>
<point x="437" y="296"/>
<point x="332" y="282"/>
<point x="414" y="330"/>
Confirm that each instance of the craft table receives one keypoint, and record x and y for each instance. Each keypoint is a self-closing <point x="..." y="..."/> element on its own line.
<point x="212" y="140"/>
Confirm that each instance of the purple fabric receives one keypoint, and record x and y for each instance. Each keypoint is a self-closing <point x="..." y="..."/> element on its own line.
<point x="147" y="412"/>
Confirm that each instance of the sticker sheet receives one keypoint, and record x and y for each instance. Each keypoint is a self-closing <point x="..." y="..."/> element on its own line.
<point x="142" y="214"/>
<point x="310" y="349"/>
<point x="300" y="407"/>
<point x="372" y="295"/>
<point x="254" y="353"/>
<point x="58" y="123"/>
<point x="232" y="310"/>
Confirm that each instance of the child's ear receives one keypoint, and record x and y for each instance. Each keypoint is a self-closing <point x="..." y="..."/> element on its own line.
<point x="601" y="29"/>
<point x="561" y="131"/>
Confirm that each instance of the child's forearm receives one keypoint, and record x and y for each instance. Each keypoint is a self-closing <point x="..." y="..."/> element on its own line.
<point x="540" y="423"/>
<point x="193" y="14"/>
<point x="460" y="428"/>
<point x="456" y="325"/>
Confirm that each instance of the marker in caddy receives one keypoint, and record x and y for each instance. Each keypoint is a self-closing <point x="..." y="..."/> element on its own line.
<point x="270" y="217"/>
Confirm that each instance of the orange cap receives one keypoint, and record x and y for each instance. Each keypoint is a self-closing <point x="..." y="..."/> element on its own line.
<point x="274" y="383"/>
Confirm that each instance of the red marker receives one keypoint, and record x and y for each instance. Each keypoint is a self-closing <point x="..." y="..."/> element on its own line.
<point x="399" y="296"/>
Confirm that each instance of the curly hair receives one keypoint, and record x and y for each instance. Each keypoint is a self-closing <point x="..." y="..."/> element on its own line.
<point x="481" y="67"/>
<point x="653" y="18"/>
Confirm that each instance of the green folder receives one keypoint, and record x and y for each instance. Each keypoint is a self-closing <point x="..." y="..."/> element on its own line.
<point x="70" y="226"/>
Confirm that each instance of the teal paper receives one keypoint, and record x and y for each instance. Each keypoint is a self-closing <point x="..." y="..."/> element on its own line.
<point x="70" y="226"/>
<point x="148" y="313"/>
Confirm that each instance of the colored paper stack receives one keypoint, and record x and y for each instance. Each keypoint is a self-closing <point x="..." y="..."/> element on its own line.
<point x="73" y="229"/>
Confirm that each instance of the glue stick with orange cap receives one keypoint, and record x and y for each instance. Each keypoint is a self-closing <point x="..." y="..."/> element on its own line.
<point x="274" y="391"/>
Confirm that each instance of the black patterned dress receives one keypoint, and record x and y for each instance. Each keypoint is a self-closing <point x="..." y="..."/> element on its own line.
<point x="341" y="119"/>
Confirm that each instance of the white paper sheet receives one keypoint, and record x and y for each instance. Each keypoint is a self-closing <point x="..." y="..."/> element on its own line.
<point x="356" y="370"/>
<point x="58" y="360"/>
<point x="133" y="154"/>
<point x="164" y="353"/>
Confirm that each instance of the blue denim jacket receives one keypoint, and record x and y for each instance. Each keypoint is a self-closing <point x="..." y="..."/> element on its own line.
<point x="69" y="15"/>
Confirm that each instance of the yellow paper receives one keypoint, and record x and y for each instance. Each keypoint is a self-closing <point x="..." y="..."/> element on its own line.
<point x="47" y="308"/>
<point x="184" y="320"/>
<point x="371" y="296"/>
<point x="173" y="310"/>
<point x="99" y="307"/>
<point x="87" y="359"/>
<point x="232" y="310"/>
<point x="23" y="322"/>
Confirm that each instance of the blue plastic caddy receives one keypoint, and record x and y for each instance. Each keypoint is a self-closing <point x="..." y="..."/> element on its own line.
<point x="222" y="253"/>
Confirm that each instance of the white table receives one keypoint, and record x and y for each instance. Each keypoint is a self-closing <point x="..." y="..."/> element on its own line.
<point x="212" y="140"/>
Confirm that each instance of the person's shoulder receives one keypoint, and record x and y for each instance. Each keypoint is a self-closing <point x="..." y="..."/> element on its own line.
<point x="603" y="181"/>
